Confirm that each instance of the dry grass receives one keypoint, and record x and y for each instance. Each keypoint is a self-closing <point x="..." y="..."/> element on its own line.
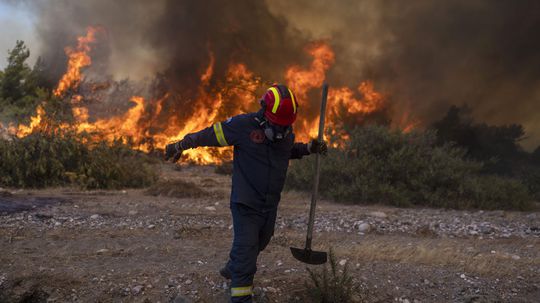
<point x="462" y="254"/>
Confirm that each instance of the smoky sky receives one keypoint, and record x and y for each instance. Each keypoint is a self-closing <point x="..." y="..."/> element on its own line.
<point x="424" y="55"/>
<point x="430" y="54"/>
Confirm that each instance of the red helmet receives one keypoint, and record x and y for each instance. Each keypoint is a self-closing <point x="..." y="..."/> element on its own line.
<point x="279" y="105"/>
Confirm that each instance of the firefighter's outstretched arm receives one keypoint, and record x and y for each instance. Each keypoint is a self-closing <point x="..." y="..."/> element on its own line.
<point x="219" y="134"/>
<point x="303" y="149"/>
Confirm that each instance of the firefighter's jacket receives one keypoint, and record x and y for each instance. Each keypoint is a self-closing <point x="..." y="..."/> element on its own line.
<point x="259" y="165"/>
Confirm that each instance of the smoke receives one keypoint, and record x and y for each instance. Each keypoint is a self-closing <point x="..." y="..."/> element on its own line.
<point x="430" y="54"/>
<point x="425" y="55"/>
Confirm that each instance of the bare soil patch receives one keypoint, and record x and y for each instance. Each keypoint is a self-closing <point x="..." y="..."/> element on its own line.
<point x="128" y="246"/>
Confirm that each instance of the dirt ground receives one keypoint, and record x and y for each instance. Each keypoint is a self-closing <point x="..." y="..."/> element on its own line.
<point x="68" y="245"/>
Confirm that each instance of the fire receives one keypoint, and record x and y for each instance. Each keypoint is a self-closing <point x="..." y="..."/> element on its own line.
<point x="35" y="123"/>
<point x="340" y="99"/>
<point x="78" y="59"/>
<point x="148" y="126"/>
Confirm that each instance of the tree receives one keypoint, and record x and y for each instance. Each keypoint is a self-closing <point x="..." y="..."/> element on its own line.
<point x="498" y="146"/>
<point x="19" y="84"/>
<point x="12" y="87"/>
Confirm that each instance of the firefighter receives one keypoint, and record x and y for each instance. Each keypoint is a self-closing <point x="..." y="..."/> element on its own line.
<point x="263" y="144"/>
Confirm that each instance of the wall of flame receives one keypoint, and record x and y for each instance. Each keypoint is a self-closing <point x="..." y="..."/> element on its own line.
<point x="147" y="125"/>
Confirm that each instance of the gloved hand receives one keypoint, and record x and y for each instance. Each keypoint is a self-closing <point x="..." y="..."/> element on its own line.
<point x="316" y="147"/>
<point x="174" y="151"/>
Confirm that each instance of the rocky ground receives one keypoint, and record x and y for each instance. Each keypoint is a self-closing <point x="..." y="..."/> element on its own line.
<point x="67" y="245"/>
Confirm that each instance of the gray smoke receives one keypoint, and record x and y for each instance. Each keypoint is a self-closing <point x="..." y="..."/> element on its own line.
<point x="425" y="55"/>
<point x="430" y="54"/>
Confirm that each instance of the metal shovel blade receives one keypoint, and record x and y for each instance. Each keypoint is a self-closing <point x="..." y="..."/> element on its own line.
<point x="309" y="256"/>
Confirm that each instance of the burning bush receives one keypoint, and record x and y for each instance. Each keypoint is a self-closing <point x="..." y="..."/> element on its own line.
<point x="380" y="165"/>
<point x="60" y="158"/>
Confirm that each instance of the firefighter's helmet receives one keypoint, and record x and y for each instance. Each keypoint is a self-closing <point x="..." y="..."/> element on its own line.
<point x="279" y="104"/>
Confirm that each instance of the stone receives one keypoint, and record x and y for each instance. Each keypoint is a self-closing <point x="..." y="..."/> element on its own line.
<point x="102" y="251"/>
<point x="132" y="212"/>
<point x="95" y="216"/>
<point x="210" y="208"/>
<point x="364" y="227"/>
<point x="343" y="262"/>
<point x="378" y="214"/>
<point x="188" y="282"/>
<point x="137" y="289"/>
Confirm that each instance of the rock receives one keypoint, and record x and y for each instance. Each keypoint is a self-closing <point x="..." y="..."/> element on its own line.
<point x="378" y="214"/>
<point x="342" y="262"/>
<point x="364" y="227"/>
<point x="462" y="276"/>
<point x="137" y="289"/>
<point x="188" y="282"/>
<point x="102" y="251"/>
<point x="485" y="229"/>
<point x="95" y="216"/>
<point x="210" y="208"/>
<point x="515" y="257"/>
<point x="151" y="226"/>
<point x="279" y="263"/>
<point x="132" y="212"/>
<point x="271" y="289"/>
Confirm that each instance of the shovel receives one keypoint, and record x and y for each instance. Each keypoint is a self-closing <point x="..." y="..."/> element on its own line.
<point x="307" y="255"/>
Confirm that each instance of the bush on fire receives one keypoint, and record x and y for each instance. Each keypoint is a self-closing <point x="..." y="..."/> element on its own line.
<point x="381" y="165"/>
<point x="60" y="158"/>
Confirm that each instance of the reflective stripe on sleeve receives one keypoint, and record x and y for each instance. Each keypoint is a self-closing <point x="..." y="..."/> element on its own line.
<point x="277" y="99"/>
<point x="219" y="134"/>
<point x="293" y="101"/>
<point x="241" y="291"/>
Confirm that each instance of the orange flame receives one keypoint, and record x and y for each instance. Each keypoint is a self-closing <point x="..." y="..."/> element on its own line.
<point x="78" y="59"/>
<point x="236" y="95"/>
<point x="35" y="123"/>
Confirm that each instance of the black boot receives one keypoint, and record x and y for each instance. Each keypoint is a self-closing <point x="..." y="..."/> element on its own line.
<point x="225" y="272"/>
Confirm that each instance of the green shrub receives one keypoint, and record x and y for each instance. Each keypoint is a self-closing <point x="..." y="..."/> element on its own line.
<point x="331" y="285"/>
<point x="380" y="165"/>
<point x="61" y="158"/>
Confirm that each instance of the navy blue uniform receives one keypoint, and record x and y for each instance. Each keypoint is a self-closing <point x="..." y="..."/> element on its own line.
<point x="259" y="171"/>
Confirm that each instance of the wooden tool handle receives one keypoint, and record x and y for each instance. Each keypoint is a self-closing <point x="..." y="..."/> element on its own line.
<point x="317" y="170"/>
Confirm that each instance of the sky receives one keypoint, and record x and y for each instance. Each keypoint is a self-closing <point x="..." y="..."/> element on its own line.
<point x="16" y="24"/>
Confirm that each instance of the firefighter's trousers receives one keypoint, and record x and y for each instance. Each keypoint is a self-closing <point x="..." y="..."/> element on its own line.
<point x="253" y="230"/>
